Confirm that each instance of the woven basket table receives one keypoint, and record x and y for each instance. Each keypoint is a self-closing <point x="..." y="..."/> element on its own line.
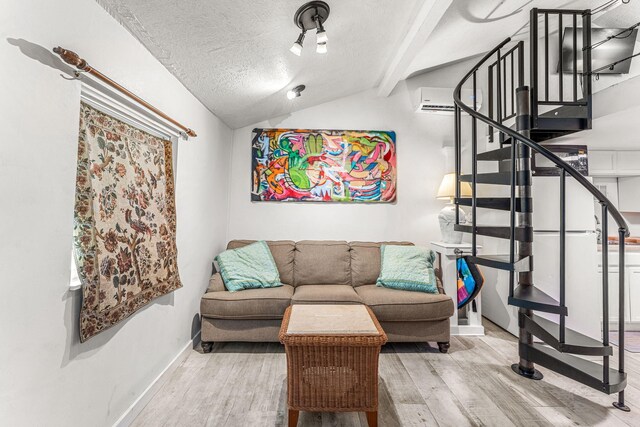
<point x="332" y="359"/>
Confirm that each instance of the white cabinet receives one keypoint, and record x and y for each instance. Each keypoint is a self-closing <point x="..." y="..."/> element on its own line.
<point x="602" y="163"/>
<point x="465" y="321"/>
<point x="546" y="210"/>
<point x="614" y="280"/>
<point x="634" y="293"/>
<point x="629" y="194"/>
<point x="628" y="162"/>
<point x="581" y="279"/>
<point x="614" y="163"/>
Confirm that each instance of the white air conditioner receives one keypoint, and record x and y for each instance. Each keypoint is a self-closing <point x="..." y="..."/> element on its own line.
<point x="439" y="100"/>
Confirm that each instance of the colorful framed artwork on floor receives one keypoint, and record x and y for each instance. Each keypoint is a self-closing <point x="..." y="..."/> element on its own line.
<point x="304" y="165"/>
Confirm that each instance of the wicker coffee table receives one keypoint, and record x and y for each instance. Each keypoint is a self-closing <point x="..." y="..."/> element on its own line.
<point x="332" y="359"/>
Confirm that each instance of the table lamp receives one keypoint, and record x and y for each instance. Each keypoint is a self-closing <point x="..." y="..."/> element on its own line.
<point x="447" y="216"/>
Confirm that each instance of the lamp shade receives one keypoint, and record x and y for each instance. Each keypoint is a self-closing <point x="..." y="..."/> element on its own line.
<point x="447" y="188"/>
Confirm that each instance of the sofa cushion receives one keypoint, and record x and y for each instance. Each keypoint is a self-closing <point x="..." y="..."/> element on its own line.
<point x="325" y="294"/>
<point x="263" y="303"/>
<point x="391" y="305"/>
<point x="365" y="261"/>
<point x="282" y="251"/>
<point x="408" y="268"/>
<point x="322" y="262"/>
<point x="249" y="267"/>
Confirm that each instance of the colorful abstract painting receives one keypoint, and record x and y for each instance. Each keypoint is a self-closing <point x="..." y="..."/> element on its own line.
<point x="303" y="165"/>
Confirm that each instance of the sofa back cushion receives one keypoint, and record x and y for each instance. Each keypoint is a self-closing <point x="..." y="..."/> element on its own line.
<point x="365" y="261"/>
<point x="282" y="251"/>
<point x="319" y="262"/>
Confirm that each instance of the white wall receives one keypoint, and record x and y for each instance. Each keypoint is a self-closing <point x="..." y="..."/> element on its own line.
<point x="47" y="376"/>
<point x="422" y="162"/>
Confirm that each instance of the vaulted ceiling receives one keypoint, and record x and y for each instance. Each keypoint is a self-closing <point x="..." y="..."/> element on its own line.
<point x="233" y="55"/>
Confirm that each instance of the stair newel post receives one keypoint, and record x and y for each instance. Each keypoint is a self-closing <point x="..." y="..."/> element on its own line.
<point x="525" y="367"/>
<point x="474" y="165"/>
<point x="563" y="246"/>
<point x="533" y="49"/>
<point x="622" y="233"/>
<point x="605" y="290"/>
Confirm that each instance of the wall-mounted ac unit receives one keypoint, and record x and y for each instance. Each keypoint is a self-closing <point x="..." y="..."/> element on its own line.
<point x="439" y="100"/>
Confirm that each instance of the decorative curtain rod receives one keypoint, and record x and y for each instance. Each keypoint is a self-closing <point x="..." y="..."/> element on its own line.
<point x="72" y="58"/>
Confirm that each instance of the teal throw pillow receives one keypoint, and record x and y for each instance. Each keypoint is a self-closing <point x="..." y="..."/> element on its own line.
<point x="249" y="267"/>
<point x="408" y="268"/>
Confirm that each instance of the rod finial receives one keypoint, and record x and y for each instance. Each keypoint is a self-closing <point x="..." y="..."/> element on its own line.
<point x="71" y="58"/>
<point x="191" y="133"/>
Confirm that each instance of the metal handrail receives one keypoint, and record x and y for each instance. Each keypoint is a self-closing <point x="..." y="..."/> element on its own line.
<point x="613" y="211"/>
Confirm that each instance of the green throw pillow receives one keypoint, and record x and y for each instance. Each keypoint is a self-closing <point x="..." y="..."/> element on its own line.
<point x="409" y="268"/>
<point x="249" y="267"/>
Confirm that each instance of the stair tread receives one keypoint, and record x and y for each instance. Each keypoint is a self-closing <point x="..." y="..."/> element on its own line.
<point x="524" y="234"/>
<point x="499" y="154"/>
<point x="567" y="112"/>
<point x="531" y="297"/>
<point x="584" y="371"/>
<point x="500" y="203"/>
<point x="498" y="178"/>
<point x="574" y="341"/>
<point x="501" y="262"/>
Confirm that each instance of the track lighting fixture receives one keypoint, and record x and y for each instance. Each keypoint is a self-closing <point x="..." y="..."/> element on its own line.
<point x="295" y="92"/>
<point x="311" y="16"/>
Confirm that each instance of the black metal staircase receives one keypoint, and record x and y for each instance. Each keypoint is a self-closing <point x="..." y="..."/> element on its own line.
<point x="522" y="116"/>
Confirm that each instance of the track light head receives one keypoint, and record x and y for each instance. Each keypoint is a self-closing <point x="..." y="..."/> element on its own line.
<point x="322" y="37"/>
<point x="296" y="48"/>
<point x="321" y="34"/>
<point x="295" y="92"/>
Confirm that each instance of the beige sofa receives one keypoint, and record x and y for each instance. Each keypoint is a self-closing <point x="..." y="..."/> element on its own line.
<point x="323" y="272"/>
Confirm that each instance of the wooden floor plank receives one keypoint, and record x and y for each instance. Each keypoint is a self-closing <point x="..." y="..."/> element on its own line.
<point x="244" y="384"/>
<point x="443" y="405"/>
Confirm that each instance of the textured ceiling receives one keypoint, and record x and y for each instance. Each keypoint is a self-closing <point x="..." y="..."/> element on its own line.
<point x="234" y="55"/>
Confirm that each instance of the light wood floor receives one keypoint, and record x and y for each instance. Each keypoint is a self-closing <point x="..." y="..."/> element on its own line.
<point x="243" y="384"/>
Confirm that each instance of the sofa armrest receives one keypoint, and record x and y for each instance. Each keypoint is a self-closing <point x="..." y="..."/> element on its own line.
<point x="439" y="280"/>
<point x="216" y="284"/>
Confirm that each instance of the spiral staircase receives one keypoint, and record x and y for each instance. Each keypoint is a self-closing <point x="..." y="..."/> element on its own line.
<point x="520" y="117"/>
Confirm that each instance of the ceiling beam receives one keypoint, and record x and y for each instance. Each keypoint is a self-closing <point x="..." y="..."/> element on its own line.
<point x="425" y="22"/>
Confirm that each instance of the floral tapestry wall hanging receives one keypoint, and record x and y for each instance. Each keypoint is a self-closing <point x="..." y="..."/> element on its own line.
<point x="125" y="221"/>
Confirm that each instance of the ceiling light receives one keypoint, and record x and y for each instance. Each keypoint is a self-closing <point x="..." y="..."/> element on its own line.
<point x="295" y="92"/>
<point x="296" y="48"/>
<point x="321" y="34"/>
<point x="312" y="16"/>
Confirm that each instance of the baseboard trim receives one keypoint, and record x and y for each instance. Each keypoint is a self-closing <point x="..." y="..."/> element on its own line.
<point x="136" y="407"/>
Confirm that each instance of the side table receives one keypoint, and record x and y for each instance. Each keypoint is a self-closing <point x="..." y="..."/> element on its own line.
<point x="464" y="321"/>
